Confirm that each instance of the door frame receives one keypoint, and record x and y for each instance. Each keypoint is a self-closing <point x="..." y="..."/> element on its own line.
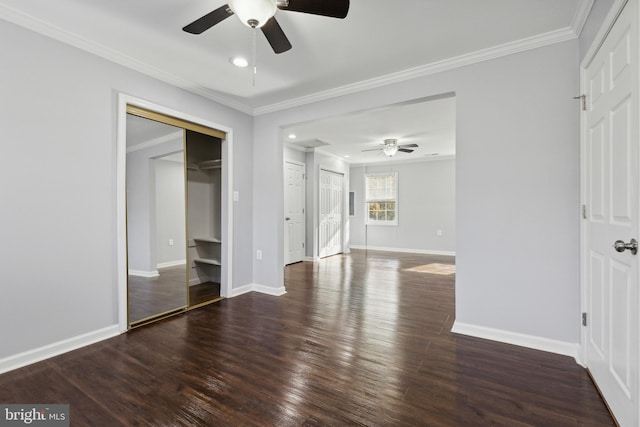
<point x="121" y="196"/>
<point x="304" y="206"/>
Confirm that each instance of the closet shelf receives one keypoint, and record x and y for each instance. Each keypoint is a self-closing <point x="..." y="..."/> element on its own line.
<point x="207" y="261"/>
<point x="207" y="239"/>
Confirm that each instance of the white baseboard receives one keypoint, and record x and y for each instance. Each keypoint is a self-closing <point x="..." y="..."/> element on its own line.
<point x="146" y="274"/>
<point x="311" y="259"/>
<point x="36" y="355"/>
<point x="254" y="287"/>
<point x="405" y="250"/>
<point x="172" y="263"/>
<point x="515" y="338"/>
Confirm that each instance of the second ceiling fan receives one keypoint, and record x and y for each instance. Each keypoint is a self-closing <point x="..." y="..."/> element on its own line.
<point x="390" y="147"/>
<point x="260" y="14"/>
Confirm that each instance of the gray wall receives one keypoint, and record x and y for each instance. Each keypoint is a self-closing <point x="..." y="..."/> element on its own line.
<point x="141" y="205"/>
<point x="170" y="217"/>
<point x="426" y="204"/>
<point x="58" y="168"/>
<point x="517" y="187"/>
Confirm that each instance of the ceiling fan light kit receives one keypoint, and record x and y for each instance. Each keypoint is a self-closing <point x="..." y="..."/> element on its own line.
<point x="390" y="147"/>
<point x="260" y="14"/>
<point x="253" y="13"/>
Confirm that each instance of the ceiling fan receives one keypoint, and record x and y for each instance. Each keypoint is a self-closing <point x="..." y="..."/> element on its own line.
<point x="390" y="147"/>
<point x="260" y="14"/>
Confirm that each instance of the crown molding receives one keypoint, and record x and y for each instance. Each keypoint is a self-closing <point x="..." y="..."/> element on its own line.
<point x="506" y="49"/>
<point x="39" y="26"/>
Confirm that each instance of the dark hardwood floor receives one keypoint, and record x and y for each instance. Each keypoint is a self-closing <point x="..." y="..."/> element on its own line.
<point x="360" y="339"/>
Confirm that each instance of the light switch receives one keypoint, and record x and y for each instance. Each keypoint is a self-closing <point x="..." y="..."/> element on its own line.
<point x="236" y="196"/>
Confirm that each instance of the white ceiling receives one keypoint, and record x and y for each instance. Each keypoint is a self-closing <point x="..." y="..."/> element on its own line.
<point x="379" y="42"/>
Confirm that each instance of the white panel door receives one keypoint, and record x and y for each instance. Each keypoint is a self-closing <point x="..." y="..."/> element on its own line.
<point x="611" y="161"/>
<point x="331" y="213"/>
<point x="294" y="220"/>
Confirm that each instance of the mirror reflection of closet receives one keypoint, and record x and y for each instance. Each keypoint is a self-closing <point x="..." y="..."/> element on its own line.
<point x="155" y="219"/>
<point x="173" y="215"/>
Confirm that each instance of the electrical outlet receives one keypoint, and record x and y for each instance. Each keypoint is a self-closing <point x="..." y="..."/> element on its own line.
<point x="258" y="254"/>
<point x="439" y="233"/>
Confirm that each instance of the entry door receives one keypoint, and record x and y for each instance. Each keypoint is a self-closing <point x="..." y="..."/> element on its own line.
<point x="294" y="222"/>
<point x="611" y="160"/>
<point x="331" y="213"/>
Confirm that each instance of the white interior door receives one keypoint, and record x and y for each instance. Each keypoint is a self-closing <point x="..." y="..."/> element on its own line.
<point x="611" y="197"/>
<point x="331" y="213"/>
<point x="294" y="221"/>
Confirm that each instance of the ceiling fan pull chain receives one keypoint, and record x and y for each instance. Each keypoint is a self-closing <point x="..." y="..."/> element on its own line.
<point x="254" y="55"/>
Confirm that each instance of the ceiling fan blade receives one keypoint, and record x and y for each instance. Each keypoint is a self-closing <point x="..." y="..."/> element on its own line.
<point x="331" y="8"/>
<point x="275" y="36"/>
<point x="209" y="20"/>
<point x="408" y="146"/>
<point x="405" y="150"/>
<point x="373" y="149"/>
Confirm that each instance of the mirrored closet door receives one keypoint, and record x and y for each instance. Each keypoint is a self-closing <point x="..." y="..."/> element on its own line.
<point x="173" y="215"/>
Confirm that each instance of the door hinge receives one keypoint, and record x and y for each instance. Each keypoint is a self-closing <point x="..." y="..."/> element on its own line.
<point x="302" y="210"/>
<point x="584" y="101"/>
<point x="303" y="244"/>
<point x="584" y="319"/>
<point x="584" y="211"/>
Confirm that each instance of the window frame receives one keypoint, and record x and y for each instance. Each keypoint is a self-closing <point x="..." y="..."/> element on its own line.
<point x="367" y="202"/>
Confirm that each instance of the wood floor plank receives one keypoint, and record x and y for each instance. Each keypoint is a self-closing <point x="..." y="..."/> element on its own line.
<point x="359" y="339"/>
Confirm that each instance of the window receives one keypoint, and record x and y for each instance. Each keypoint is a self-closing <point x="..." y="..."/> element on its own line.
<point x="381" y="198"/>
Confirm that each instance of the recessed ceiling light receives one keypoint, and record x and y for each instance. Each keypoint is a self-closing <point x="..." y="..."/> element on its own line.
<point x="292" y="136"/>
<point x="239" y="61"/>
<point x="346" y="156"/>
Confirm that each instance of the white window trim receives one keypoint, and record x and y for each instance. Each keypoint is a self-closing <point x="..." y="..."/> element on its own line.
<point x="385" y="223"/>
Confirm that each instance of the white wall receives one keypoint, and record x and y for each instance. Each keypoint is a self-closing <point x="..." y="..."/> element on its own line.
<point x="58" y="169"/>
<point x="293" y="155"/>
<point x="426" y="204"/>
<point x="516" y="186"/>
